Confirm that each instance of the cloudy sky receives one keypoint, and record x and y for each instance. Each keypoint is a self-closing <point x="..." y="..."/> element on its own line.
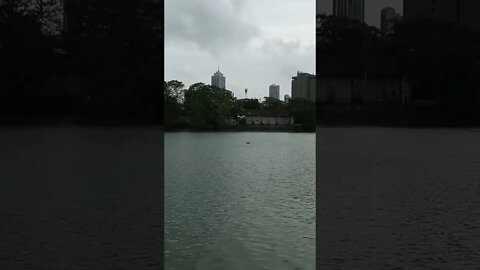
<point x="255" y="42"/>
<point x="372" y="9"/>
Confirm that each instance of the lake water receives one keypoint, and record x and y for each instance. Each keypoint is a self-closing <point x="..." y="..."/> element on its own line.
<point x="389" y="198"/>
<point x="81" y="198"/>
<point x="392" y="198"/>
<point x="233" y="205"/>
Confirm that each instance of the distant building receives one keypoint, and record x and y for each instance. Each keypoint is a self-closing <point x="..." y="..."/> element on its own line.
<point x="462" y="12"/>
<point x="286" y="98"/>
<point x="268" y="118"/>
<point x="388" y="20"/>
<point x="218" y="79"/>
<point x="274" y="91"/>
<point x="352" y="9"/>
<point x="304" y="86"/>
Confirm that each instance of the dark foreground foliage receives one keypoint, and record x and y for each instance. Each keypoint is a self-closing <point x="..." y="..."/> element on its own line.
<point x="103" y="62"/>
<point x="440" y="60"/>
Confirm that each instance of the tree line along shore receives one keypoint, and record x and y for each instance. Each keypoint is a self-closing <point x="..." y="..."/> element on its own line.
<point x="206" y="107"/>
<point x="425" y="73"/>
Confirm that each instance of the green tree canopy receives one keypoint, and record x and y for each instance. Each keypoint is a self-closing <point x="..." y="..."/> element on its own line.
<point x="271" y="103"/>
<point x="172" y="107"/>
<point x="172" y="89"/>
<point x="249" y="104"/>
<point x="27" y="59"/>
<point x="340" y="35"/>
<point x="303" y="111"/>
<point x="117" y="45"/>
<point x="440" y="59"/>
<point x="208" y="106"/>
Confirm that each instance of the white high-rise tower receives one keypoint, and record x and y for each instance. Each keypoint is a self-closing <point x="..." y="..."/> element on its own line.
<point x="218" y="79"/>
<point x="274" y="91"/>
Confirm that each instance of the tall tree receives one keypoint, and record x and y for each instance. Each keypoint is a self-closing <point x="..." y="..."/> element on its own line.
<point x="208" y="106"/>
<point x="173" y="109"/>
<point x="272" y="104"/>
<point x="441" y="60"/>
<point x="339" y="35"/>
<point x="118" y="46"/>
<point x="26" y="44"/>
<point x="248" y="104"/>
<point x="303" y="112"/>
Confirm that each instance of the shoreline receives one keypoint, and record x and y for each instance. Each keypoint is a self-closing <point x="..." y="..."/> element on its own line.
<point x="325" y="121"/>
<point x="60" y="120"/>
<point x="288" y="129"/>
<point x="404" y="123"/>
<point x="434" y="117"/>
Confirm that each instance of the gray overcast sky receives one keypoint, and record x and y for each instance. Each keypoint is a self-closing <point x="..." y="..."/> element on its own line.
<point x="255" y="42"/>
<point x="372" y="9"/>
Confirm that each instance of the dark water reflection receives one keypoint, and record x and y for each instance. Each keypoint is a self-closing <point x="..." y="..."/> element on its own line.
<point x="398" y="198"/>
<point x="232" y="205"/>
<point x="80" y="198"/>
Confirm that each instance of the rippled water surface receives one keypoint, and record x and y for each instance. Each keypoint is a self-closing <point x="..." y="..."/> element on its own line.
<point x="398" y="198"/>
<point x="80" y="198"/>
<point x="233" y="205"/>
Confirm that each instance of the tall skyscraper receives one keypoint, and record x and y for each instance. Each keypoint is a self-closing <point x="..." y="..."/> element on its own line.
<point x="304" y="86"/>
<point x="274" y="91"/>
<point x="352" y="9"/>
<point x="218" y="79"/>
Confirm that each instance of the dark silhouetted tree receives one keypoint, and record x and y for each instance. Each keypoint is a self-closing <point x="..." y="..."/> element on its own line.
<point x="248" y="104"/>
<point x="340" y="35"/>
<point x="272" y="104"/>
<point x="173" y="109"/>
<point x="441" y="61"/>
<point x="303" y="112"/>
<point x="117" y="46"/>
<point x="27" y="42"/>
